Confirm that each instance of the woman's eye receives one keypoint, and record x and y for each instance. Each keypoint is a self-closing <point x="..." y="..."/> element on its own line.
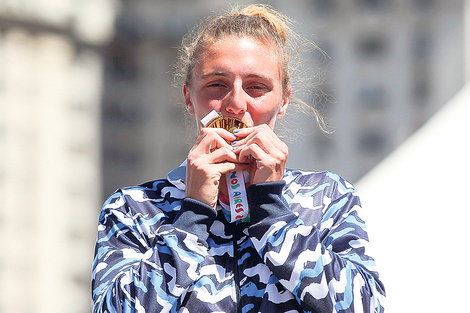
<point x="257" y="87"/>
<point x="216" y="85"/>
<point x="256" y="90"/>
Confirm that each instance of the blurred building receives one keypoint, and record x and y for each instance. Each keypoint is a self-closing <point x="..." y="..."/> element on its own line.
<point x="51" y="73"/>
<point x="385" y="68"/>
<point x="390" y="65"/>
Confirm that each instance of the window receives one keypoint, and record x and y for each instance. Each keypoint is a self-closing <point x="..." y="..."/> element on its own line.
<point x="322" y="145"/>
<point x="121" y="60"/>
<point x="423" y="5"/>
<point x="121" y="156"/>
<point x="124" y="106"/>
<point x="421" y="46"/>
<point x="372" y="142"/>
<point x="373" y="4"/>
<point x="373" y="97"/>
<point x="421" y="92"/>
<point x="372" y="46"/>
<point x="324" y="6"/>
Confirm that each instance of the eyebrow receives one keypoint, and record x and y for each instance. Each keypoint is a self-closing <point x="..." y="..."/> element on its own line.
<point x="224" y="74"/>
<point x="215" y="73"/>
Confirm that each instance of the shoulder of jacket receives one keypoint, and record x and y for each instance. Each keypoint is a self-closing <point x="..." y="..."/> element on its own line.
<point x="149" y="191"/>
<point x="151" y="199"/>
<point x="305" y="177"/>
<point x="327" y="180"/>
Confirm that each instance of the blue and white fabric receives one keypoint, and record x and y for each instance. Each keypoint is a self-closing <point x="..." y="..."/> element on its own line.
<point x="303" y="250"/>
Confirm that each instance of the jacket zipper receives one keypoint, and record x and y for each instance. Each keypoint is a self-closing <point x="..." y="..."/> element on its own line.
<point x="236" y="274"/>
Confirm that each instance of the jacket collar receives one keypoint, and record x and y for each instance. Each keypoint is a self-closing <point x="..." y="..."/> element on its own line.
<point x="178" y="176"/>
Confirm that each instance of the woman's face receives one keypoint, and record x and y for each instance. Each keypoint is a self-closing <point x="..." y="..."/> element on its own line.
<point x="239" y="77"/>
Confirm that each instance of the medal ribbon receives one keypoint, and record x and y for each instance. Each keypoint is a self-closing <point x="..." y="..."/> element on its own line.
<point x="235" y="180"/>
<point x="237" y="195"/>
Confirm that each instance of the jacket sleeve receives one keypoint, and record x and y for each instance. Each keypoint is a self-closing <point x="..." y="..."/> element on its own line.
<point x="144" y="261"/>
<point x="325" y="266"/>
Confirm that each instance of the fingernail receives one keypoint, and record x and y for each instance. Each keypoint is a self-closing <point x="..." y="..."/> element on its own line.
<point x="235" y="148"/>
<point x="236" y="130"/>
<point x="234" y="142"/>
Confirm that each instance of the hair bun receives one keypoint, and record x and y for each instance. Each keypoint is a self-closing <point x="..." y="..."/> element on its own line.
<point x="274" y="18"/>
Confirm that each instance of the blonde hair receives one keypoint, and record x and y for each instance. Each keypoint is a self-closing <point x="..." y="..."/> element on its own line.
<point x="256" y="21"/>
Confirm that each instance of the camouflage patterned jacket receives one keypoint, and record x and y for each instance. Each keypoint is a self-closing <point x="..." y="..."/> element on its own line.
<point x="304" y="250"/>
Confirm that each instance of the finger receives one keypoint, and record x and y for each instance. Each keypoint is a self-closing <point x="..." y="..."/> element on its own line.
<point x="264" y="167"/>
<point x="218" y="169"/>
<point x="228" y="136"/>
<point x="266" y="140"/>
<point x="211" y="139"/>
<point x="262" y="135"/>
<point x="251" y="153"/>
<point x="221" y="155"/>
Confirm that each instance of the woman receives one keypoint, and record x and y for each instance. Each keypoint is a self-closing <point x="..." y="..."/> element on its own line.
<point x="170" y="246"/>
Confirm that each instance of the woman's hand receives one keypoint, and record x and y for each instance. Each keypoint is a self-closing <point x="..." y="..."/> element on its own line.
<point x="264" y="151"/>
<point x="210" y="158"/>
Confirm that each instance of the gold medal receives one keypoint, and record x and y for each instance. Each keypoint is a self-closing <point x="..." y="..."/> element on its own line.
<point x="228" y="123"/>
<point x="215" y="120"/>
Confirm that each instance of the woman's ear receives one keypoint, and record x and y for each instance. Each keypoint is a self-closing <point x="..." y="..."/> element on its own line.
<point x="187" y="100"/>
<point x="284" y="103"/>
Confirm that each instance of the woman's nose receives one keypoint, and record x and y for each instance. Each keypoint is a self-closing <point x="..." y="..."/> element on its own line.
<point x="235" y="102"/>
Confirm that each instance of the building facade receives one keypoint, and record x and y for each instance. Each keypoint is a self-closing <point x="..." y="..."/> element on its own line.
<point x="389" y="66"/>
<point x="51" y="75"/>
